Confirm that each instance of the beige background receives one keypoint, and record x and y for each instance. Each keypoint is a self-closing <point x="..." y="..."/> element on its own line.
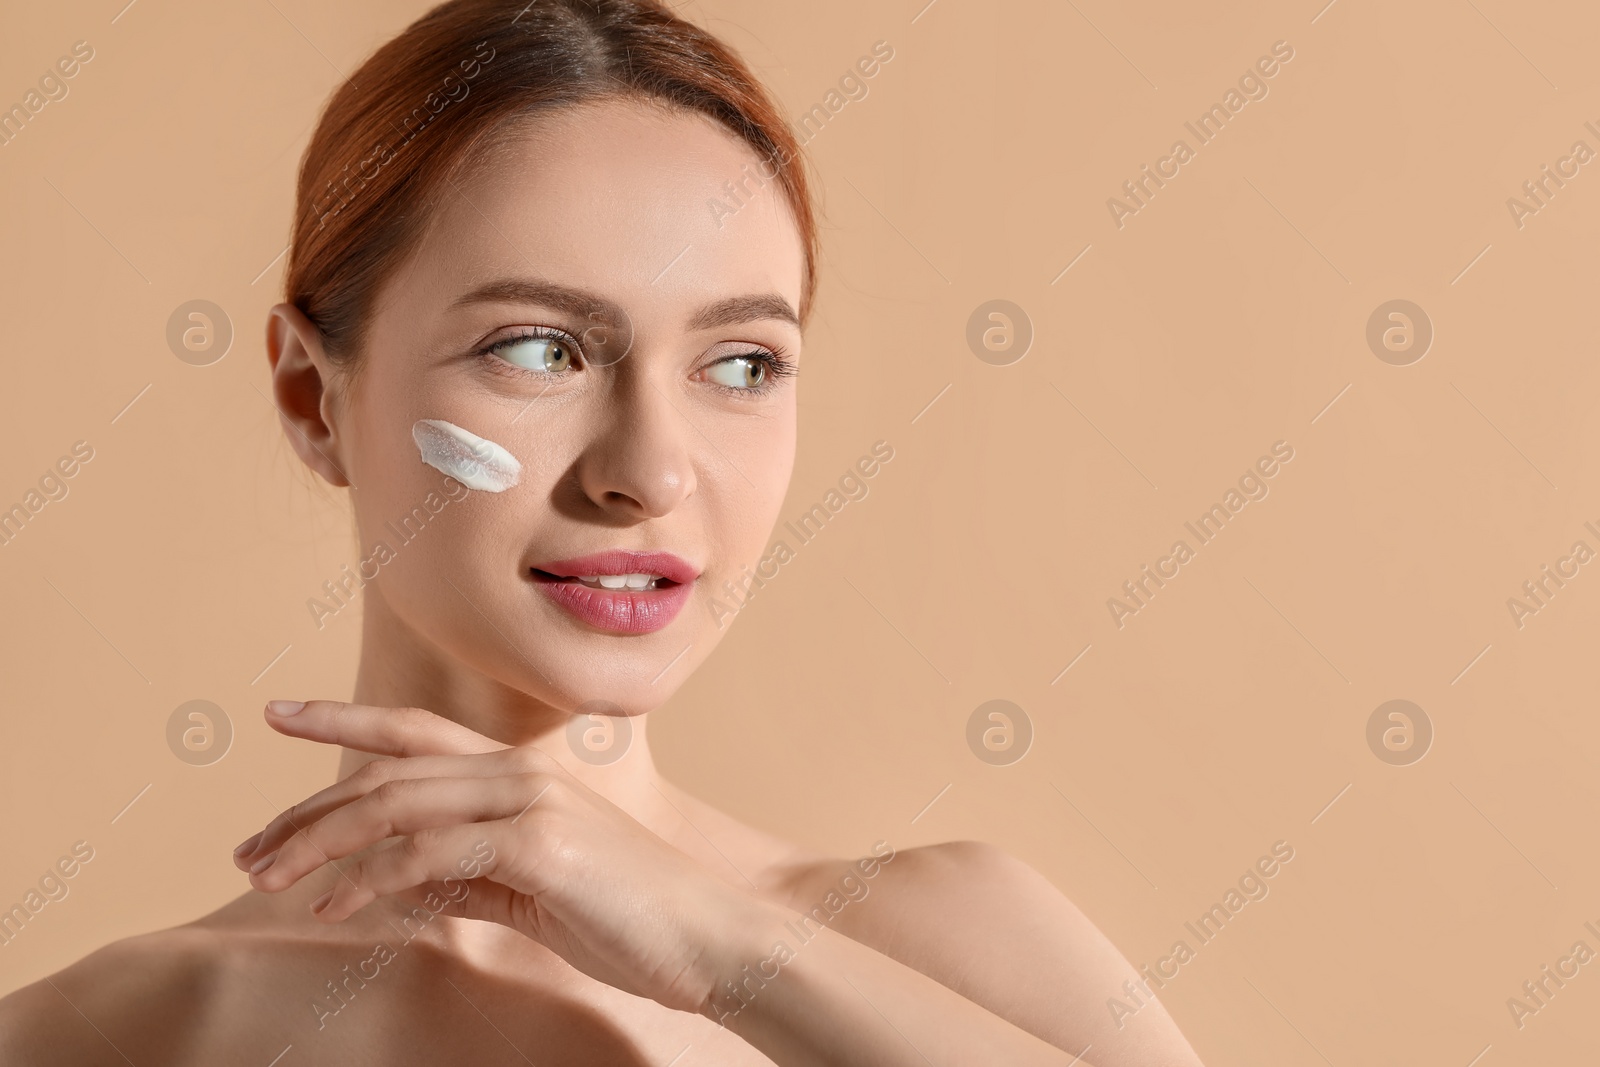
<point x="1225" y="316"/>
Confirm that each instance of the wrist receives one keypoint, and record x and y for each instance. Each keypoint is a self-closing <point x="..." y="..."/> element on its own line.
<point x="755" y="945"/>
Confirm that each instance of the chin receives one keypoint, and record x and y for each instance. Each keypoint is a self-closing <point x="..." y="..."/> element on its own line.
<point x="581" y="670"/>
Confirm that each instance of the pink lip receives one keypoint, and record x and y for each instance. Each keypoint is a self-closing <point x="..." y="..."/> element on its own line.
<point x="619" y="611"/>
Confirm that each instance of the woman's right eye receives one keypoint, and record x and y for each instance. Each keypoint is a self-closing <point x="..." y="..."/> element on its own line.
<point x="536" y="352"/>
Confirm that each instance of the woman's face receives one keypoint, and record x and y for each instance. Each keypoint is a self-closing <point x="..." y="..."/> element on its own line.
<point x="583" y="302"/>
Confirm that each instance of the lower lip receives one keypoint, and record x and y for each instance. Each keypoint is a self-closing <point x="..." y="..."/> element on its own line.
<point x="619" y="611"/>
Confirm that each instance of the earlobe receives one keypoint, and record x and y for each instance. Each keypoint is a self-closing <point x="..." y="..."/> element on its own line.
<point x="300" y="379"/>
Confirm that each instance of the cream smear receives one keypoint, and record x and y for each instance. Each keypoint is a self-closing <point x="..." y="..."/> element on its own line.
<point x="471" y="460"/>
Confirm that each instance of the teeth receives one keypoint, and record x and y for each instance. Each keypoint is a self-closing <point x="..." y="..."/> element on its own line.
<point x="632" y="582"/>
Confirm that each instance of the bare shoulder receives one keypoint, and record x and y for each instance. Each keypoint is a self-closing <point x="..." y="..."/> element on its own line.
<point x="223" y="987"/>
<point x="965" y="898"/>
<point x="119" y="1003"/>
<point x="992" y="928"/>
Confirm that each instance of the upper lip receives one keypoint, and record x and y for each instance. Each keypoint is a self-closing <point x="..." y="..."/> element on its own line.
<point x="622" y="561"/>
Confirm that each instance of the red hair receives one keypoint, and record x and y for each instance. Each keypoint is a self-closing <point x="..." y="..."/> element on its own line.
<point x="416" y="112"/>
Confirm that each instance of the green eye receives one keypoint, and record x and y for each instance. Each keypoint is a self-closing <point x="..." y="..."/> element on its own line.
<point x="535" y="353"/>
<point x="742" y="372"/>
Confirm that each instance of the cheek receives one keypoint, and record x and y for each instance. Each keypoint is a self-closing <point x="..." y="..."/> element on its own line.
<point x="776" y="447"/>
<point x="747" y="514"/>
<point x="448" y="562"/>
<point x="421" y="530"/>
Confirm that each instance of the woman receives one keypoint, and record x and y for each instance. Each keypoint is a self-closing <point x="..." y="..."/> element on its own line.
<point x="545" y="299"/>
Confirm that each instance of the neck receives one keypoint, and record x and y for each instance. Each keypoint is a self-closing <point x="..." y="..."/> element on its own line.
<point x="400" y="667"/>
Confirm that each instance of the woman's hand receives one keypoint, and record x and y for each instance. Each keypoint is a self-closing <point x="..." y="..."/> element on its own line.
<point x="506" y="835"/>
<point x="514" y="839"/>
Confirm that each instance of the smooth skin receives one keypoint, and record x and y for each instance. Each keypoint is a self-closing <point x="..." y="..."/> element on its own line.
<point x="530" y="906"/>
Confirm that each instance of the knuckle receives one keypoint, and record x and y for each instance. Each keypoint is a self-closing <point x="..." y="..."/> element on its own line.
<point x="419" y="845"/>
<point x="553" y="792"/>
<point x="530" y="792"/>
<point x="371" y="775"/>
<point x="283" y="825"/>
<point x="297" y="841"/>
<point x="294" y="822"/>
<point x="530" y="759"/>
<point x="357" y="874"/>
<point x="391" y="791"/>
<point x="544" y="839"/>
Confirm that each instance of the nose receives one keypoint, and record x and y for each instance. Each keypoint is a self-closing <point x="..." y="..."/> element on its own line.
<point x="640" y="464"/>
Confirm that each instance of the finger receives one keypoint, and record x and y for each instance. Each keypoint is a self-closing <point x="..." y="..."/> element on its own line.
<point x="400" y="807"/>
<point x="461" y="898"/>
<point x="382" y="731"/>
<point x="474" y="850"/>
<point x="375" y="773"/>
<point x="489" y="901"/>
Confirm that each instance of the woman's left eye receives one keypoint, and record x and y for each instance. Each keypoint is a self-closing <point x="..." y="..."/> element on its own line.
<point x="739" y="372"/>
<point x="536" y="352"/>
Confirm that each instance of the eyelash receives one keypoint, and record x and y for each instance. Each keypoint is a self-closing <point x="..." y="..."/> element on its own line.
<point x="776" y="360"/>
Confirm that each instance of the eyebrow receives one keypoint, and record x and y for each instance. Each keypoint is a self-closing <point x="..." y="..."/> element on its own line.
<point x="729" y="311"/>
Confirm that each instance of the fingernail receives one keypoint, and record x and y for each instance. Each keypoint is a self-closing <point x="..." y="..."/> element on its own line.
<point x="285" y="707"/>
<point x="263" y="863"/>
<point x="249" y="846"/>
<point x="321" y="902"/>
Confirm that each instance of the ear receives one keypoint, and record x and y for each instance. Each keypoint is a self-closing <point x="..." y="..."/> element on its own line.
<point x="301" y="376"/>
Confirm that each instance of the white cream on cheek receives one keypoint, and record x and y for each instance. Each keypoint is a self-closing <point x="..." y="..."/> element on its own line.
<point x="471" y="460"/>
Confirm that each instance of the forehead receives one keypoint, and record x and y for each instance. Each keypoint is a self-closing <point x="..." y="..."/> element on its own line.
<point x="621" y="198"/>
